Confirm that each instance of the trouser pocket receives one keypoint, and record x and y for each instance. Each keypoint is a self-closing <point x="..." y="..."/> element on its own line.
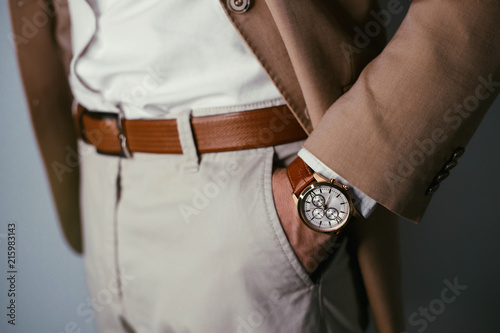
<point x="281" y="239"/>
<point x="206" y="249"/>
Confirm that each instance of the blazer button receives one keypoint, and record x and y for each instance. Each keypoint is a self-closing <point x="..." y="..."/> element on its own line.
<point x="457" y="153"/>
<point x="432" y="189"/>
<point x="450" y="165"/>
<point x="442" y="176"/>
<point x="238" y="6"/>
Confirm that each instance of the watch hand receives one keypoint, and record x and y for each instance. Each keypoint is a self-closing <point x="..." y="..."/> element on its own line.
<point x="329" y="197"/>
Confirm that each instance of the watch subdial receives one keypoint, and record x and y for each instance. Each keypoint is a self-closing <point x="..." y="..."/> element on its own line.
<point x="318" y="200"/>
<point x="318" y="213"/>
<point x="332" y="213"/>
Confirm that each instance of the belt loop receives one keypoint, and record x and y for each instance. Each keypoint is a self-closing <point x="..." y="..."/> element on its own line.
<point x="186" y="137"/>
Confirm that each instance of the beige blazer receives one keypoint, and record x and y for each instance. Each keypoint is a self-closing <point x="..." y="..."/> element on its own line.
<point x="392" y="122"/>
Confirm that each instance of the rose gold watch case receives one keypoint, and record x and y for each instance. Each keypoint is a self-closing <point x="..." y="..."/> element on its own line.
<point x="319" y="182"/>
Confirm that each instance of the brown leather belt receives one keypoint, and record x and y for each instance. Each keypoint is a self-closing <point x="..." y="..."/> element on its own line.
<point x="231" y="131"/>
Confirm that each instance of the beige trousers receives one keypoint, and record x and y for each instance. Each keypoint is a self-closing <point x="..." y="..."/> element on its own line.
<point x="188" y="243"/>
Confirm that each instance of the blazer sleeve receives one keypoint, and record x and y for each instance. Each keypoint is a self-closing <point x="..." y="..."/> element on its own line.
<point x="400" y="129"/>
<point x="41" y="51"/>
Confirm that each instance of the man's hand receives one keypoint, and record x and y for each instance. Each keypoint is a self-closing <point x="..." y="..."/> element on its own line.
<point x="310" y="246"/>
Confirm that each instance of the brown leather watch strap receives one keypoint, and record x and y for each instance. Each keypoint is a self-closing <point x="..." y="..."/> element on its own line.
<point x="300" y="175"/>
<point x="225" y="132"/>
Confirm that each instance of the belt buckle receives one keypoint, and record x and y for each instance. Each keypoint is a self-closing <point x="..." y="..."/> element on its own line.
<point x="117" y="118"/>
<point x="122" y="136"/>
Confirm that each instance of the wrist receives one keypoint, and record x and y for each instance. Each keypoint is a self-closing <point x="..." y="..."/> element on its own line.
<point x="322" y="205"/>
<point x="364" y="204"/>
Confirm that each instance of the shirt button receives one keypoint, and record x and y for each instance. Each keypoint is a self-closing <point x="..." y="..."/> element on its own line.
<point x="238" y="6"/>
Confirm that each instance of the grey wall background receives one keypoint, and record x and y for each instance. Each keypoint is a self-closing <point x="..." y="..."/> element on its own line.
<point x="458" y="238"/>
<point x="50" y="279"/>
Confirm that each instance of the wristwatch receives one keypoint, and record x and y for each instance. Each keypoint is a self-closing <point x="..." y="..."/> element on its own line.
<point x="324" y="205"/>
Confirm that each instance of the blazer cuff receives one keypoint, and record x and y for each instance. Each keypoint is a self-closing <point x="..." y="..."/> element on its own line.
<point x="363" y="203"/>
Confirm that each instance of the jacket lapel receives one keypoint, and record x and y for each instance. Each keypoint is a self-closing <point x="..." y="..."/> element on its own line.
<point x="262" y="36"/>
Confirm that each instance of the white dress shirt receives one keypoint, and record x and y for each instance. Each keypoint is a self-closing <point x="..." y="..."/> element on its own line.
<point x="153" y="59"/>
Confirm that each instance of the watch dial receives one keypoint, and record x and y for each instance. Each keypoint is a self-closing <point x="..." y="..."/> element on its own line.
<point x="324" y="207"/>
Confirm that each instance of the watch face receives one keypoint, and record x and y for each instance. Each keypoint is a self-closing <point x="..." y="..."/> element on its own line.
<point x="324" y="207"/>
